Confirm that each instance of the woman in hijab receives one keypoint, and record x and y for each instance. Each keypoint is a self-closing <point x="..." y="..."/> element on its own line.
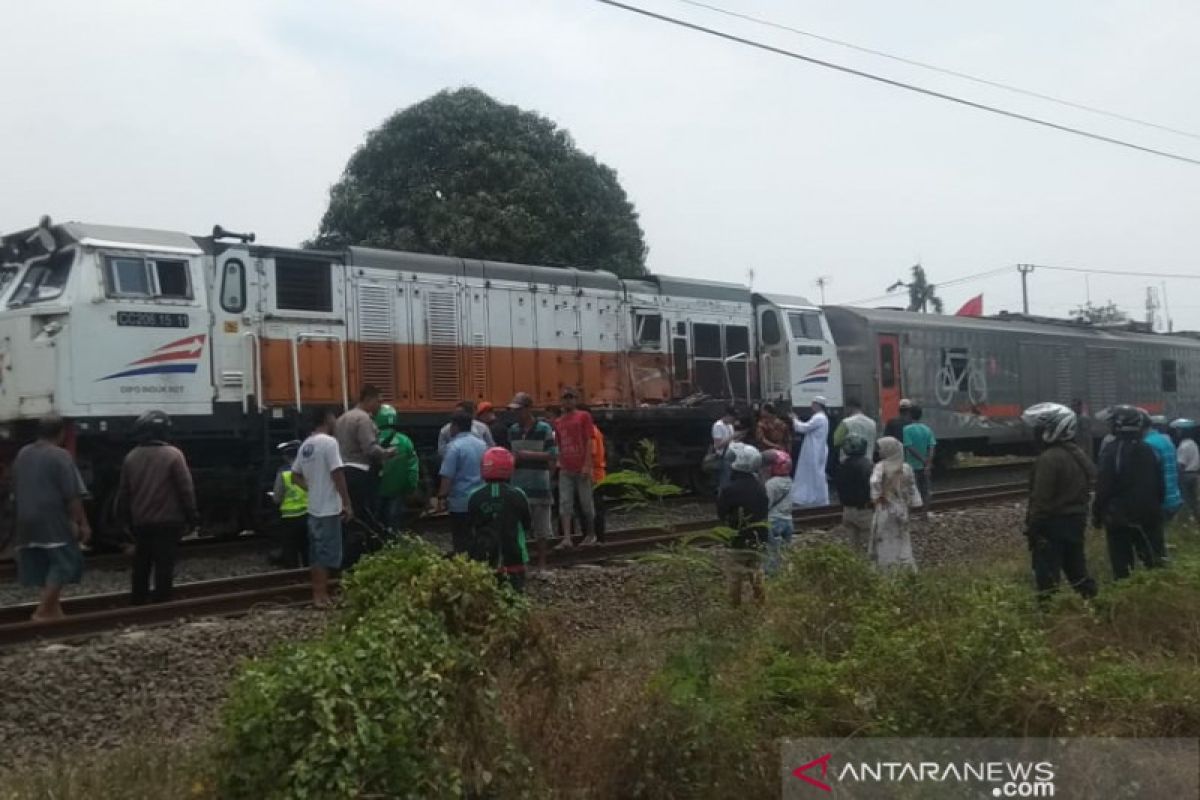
<point x="894" y="492"/>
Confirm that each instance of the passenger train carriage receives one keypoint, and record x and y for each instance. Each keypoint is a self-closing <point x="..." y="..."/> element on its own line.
<point x="973" y="376"/>
<point x="235" y="340"/>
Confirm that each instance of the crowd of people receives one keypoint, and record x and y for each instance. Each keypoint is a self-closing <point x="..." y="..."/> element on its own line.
<point x="347" y="487"/>
<point x="498" y="481"/>
<point x="1146" y="472"/>
<point x="769" y="466"/>
<point x="341" y="492"/>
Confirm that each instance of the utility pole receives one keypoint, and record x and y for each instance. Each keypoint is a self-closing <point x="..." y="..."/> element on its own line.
<point x="822" y="281"/>
<point x="1025" y="269"/>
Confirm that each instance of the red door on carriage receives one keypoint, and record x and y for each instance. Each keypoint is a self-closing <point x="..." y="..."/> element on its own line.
<point x="890" y="390"/>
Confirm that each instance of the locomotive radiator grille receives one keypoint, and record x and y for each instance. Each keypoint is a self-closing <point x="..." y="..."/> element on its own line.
<point x="375" y="336"/>
<point x="445" y="371"/>
<point x="479" y="364"/>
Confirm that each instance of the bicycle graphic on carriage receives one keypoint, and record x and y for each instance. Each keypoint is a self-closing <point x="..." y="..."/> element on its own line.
<point x="959" y="372"/>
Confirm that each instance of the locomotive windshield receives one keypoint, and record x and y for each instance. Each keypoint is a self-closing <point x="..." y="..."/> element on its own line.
<point x="44" y="279"/>
<point x="7" y="273"/>
<point x="806" y="325"/>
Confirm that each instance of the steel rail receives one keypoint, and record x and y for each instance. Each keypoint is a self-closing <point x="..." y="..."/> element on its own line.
<point x="89" y="615"/>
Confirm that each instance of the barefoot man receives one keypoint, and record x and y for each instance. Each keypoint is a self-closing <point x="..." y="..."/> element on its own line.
<point x="51" y="525"/>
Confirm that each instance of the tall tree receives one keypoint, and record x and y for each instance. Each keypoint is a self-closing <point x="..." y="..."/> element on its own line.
<point x="464" y="175"/>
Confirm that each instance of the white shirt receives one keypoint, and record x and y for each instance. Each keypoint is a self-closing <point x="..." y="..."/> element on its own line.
<point x="1189" y="456"/>
<point x="721" y="432"/>
<point x="317" y="460"/>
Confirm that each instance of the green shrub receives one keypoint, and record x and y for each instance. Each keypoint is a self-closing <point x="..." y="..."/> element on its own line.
<point x="399" y="699"/>
<point x="839" y="650"/>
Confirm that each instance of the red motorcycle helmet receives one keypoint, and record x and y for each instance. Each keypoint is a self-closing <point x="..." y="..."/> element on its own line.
<point x="498" y="464"/>
<point x="781" y="466"/>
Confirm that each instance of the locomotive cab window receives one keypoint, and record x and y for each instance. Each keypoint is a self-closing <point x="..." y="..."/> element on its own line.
<point x="130" y="276"/>
<point x="771" y="333"/>
<point x="303" y="285"/>
<point x="172" y="279"/>
<point x="806" y="325"/>
<point x="1170" y="375"/>
<point x="647" y="329"/>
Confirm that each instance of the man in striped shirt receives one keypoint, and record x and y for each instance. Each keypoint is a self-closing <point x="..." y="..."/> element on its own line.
<point x="532" y="443"/>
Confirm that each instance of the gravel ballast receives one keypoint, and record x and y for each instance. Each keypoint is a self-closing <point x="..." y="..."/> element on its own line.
<point x="168" y="682"/>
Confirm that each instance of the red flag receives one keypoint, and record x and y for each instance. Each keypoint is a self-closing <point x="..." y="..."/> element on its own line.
<point x="971" y="308"/>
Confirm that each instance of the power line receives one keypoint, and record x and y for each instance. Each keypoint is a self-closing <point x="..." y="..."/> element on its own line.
<point x="935" y="285"/>
<point x="1123" y="272"/>
<point x="895" y="83"/>
<point x="1008" y="87"/>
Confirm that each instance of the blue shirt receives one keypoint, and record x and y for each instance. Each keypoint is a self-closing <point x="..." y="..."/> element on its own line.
<point x="463" y="465"/>
<point x="919" y="438"/>
<point x="1164" y="451"/>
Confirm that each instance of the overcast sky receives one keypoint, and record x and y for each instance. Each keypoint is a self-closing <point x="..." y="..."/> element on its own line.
<point x="180" y="115"/>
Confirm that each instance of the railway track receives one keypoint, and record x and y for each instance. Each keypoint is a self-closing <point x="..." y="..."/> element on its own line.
<point x="89" y="615"/>
<point x="210" y="547"/>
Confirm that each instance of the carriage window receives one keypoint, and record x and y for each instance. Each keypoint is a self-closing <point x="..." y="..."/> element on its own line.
<point x="737" y="340"/>
<point x="647" y="329"/>
<point x="233" y="287"/>
<point x="771" y="334"/>
<point x="1170" y="375"/>
<point x="806" y="325"/>
<point x="128" y="277"/>
<point x="303" y="285"/>
<point x="682" y="373"/>
<point x="706" y="340"/>
<point x="887" y="366"/>
<point x="172" y="279"/>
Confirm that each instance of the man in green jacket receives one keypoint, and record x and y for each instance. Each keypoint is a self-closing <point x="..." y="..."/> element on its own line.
<point x="1060" y="487"/>
<point x="401" y="473"/>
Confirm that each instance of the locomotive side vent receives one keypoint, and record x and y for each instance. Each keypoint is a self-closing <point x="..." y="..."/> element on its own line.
<point x="376" y="335"/>
<point x="445" y="370"/>
<point x="479" y="364"/>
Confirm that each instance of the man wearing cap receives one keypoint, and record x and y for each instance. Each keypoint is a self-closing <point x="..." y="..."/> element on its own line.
<point x="532" y="443"/>
<point x="573" y="431"/>
<point x="895" y="426"/>
<point x="486" y="413"/>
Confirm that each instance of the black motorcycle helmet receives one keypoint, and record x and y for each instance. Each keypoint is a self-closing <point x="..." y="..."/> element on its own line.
<point x="1128" y="420"/>
<point x="152" y="425"/>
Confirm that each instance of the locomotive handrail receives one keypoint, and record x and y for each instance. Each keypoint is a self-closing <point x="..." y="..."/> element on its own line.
<point x="319" y="337"/>
<point x="256" y="360"/>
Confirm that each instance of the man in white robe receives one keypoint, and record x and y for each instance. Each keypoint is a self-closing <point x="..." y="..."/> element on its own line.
<point x="809" y="487"/>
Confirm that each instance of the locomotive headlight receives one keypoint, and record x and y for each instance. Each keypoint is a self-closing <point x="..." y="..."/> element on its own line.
<point x="6" y="432"/>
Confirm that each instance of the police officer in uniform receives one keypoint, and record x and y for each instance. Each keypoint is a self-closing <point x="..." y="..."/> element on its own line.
<point x="1059" y="488"/>
<point x="292" y="500"/>
<point x="1129" y="494"/>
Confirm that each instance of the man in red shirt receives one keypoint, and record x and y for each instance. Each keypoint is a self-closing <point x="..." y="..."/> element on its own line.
<point x="573" y="432"/>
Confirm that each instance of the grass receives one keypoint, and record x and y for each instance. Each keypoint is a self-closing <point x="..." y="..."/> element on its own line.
<point x="689" y="699"/>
